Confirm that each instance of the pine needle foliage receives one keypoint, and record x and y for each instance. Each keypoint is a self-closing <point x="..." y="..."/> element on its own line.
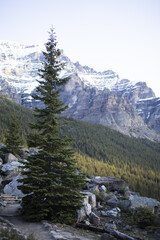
<point x="13" y="139"/>
<point x="51" y="181"/>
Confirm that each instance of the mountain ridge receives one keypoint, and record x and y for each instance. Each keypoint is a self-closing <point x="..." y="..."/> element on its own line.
<point x="99" y="97"/>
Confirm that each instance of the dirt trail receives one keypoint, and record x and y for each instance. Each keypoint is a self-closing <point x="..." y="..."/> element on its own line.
<point x="27" y="228"/>
<point x="51" y="231"/>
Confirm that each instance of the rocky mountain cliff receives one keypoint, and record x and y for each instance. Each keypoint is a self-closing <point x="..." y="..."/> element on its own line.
<point x="99" y="97"/>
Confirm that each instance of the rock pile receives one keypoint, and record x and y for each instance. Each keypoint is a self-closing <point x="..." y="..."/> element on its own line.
<point x="105" y="198"/>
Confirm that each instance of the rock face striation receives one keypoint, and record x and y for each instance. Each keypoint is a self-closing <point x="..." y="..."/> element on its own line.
<point x="99" y="97"/>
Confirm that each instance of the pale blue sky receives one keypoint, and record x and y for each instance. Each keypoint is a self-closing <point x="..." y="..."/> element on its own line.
<point x="121" y="35"/>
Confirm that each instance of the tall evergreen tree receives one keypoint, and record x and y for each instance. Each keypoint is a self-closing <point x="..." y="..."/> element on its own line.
<point x="13" y="139"/>
<point x="51" y="183"/>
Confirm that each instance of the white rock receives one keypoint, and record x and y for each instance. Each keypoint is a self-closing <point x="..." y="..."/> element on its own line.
<point x="11" y="188"/>
<point x="11" y="166"/>
<point x="103" y="188"/>
<point x="87" y="208"/>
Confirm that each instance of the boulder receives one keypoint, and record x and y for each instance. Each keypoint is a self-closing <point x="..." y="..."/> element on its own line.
<point x="110" y="226"/>
<point x="113" y="202"/>
<point x="92" y="200"/>
<point x="80" y="214"/>
<point x="83" y="212"/>
<point x="87" y="208"/>
<point x="150" y="203"/>
<point x="89" y="198"/>
<point x="115" y="212"/>
<point x="11" y="169"/>
<point x="94" y="219"/>
<point x="103" y="188"/>
<point x="12" y="187"/>
<point x="9" y="157"/>
<point x="106" y="236"/>
<point x="112" y="183"/>
<point x="124" y="204"/>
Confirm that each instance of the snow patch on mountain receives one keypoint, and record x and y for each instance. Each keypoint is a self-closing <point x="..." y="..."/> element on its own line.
<point x="20" y="63"/>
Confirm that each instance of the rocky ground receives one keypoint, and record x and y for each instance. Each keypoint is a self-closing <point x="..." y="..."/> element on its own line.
<point x="48" y="231"/>
<point x="104" y="216"/>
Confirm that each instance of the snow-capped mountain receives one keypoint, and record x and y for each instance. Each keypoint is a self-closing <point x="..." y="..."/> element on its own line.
<point x="20" y="63"/>
<point x="100" y="97"/>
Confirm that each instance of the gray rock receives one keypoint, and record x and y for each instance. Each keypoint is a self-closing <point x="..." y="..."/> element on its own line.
<point x="80" y="214"/>
<point x="113" y="202"/>
<point x="33" y="151"/>
<point x="57" y="236"/>
<point x="106" y="236"/>
<point x="11" y="168"/>
<point x="11" y="188"/>
<point x="1" y="161"/>
<point x="89" y="198"/>
<point x="150" y="203"/>
<point x="9" y="157"/>
<point x="87" y="208"/>
<point x="110" y="226"/>
<point x="103" y="188"/>
<point x="87" y="222"/>
<point x="94" y="188"/>
<point x="94" y="219"/>
<point x="112" y="183"/>
<point x="124" y="204"/>
<point x="92" y="200"/>
<point x="115" y="212"/>
<point x="83" y="212"/>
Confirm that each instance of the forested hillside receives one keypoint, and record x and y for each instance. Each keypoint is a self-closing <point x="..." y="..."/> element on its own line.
<point x="103" y="151"/>
<point x="7" y="109"/>
<point x="100" y="150"/>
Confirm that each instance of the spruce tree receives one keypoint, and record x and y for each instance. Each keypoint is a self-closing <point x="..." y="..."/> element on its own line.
<point x="13" y="139"/>
<point x="51" y="182"/>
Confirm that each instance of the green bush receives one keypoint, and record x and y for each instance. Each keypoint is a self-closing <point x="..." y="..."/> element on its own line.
<point x="143" y="217"/>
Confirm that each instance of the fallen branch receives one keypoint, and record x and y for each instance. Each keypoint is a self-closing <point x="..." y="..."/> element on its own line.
<point x="89" y="227"/>
<point x="122" y="236"/>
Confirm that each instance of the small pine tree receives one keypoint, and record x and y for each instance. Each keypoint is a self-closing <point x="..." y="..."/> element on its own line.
<point x="51" y="183"/>
<point x="13" y="139"/>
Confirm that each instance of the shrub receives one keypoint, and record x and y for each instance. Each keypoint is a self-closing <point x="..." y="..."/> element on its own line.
<point x="143" y="217"/>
